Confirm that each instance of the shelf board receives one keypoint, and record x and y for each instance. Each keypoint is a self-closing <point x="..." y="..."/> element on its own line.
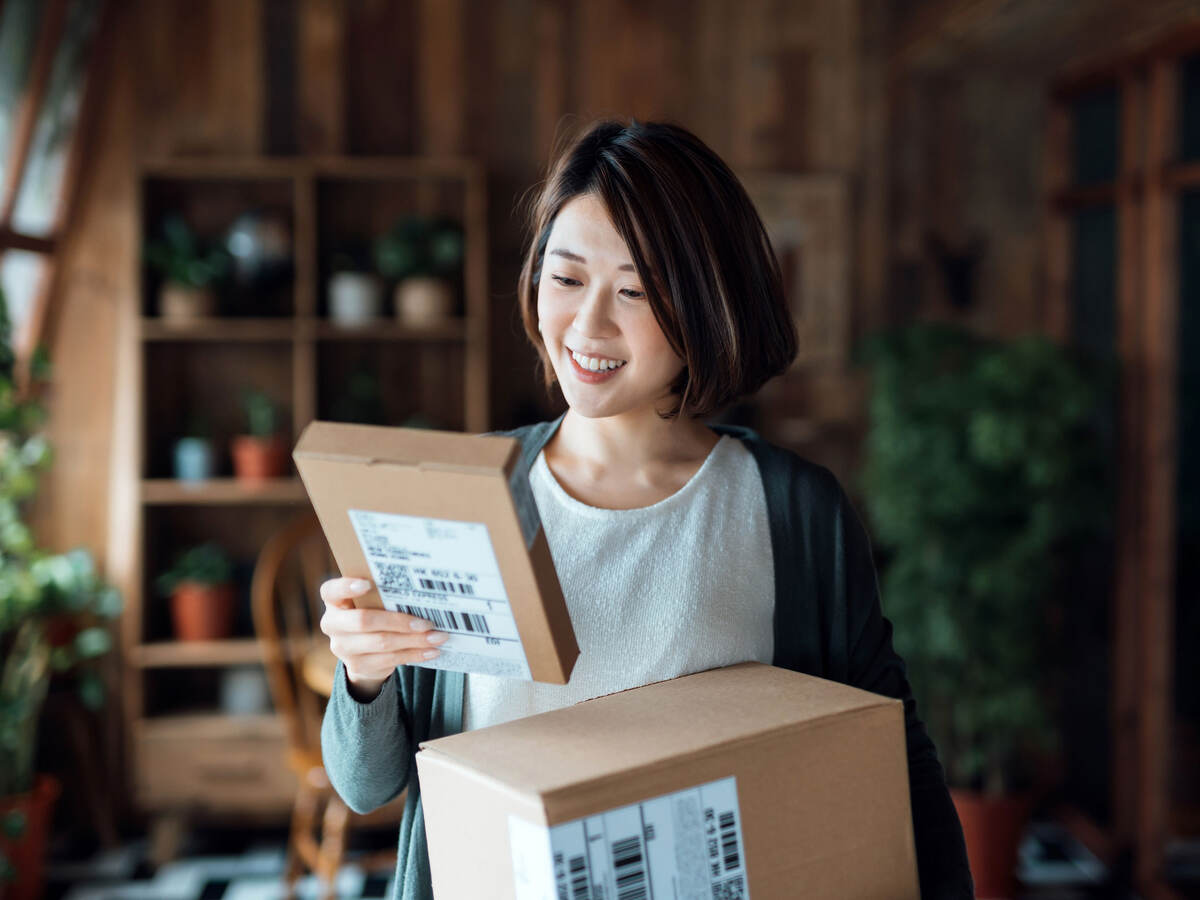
<point x="215" y="491"/>
<point x="219" y="329"/>
<point x="385" y="330"/>
<point x="195" y="654"/>
<point x="287" y="329"/>
<point x="216" y="725"/>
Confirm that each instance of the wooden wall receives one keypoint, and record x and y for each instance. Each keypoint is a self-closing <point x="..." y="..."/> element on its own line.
<point x="769" y="85"/>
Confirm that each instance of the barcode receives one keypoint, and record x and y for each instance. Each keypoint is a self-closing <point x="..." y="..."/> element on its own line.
<point x="447" y="587"/>
<point x="733" y="889"/>
<point x="393" y="577"/>
<point x="729" y="841"/>
<point x="580" y="889"/>
<point x="447" y="620"/>
<point x="628" y="869"/>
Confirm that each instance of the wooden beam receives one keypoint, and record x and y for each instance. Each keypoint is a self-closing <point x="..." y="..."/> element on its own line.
<point x="1127" y="575"/>
<point x="30" y="105"/>
<point x="1155" y="645"/>
<point x="933" y="22"/>
<point x="12" y="240"/>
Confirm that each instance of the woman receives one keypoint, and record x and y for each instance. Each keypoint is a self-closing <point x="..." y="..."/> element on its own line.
<point x="654" y="299"/>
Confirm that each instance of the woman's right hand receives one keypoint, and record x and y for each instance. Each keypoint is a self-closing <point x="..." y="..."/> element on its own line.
<point x="372" y="642"/>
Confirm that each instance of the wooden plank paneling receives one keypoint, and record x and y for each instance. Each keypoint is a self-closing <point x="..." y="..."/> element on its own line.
<point x="321" y="62"/>
<point x="441" y="79"/>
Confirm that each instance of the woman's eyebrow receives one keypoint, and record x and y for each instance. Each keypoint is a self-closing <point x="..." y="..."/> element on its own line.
<point x="575" y="257"/>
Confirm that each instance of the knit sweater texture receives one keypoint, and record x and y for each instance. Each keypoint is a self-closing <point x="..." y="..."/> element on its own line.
<point x="828" y="622"/>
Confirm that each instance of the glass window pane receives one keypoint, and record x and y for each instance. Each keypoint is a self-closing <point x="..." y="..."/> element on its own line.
<point x="1189" y="112"/>
<point x="1094" y="118"/>
<point x="1094" y="278"/>
<point x="41" y="182"/>
<point x="20" y="21"/>
<point x="21" y="274"/>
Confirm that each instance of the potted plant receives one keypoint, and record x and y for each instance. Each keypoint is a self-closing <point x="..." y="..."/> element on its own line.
<point x="194" y="451"/>
<point x="983" y="469"/>
<point x="54" y="615"/>
<point x="422" y="255"/>
<point x="201" y="592"/>
<point x="189" y="270"/>
<point x="355" y="294"/>
<point x="261" y="453"/>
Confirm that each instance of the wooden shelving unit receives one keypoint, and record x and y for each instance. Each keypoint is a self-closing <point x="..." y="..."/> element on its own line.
<point x="183" y="752"/>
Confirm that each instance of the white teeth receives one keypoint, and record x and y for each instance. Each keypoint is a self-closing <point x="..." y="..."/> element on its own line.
<point x="597" y="365"/>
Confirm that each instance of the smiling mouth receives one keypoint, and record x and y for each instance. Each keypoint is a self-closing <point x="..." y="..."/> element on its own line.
<point x="596" y="364"/>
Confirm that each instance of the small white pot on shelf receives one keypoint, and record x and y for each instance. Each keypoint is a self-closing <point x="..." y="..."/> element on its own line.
<point x="355" y="298"/>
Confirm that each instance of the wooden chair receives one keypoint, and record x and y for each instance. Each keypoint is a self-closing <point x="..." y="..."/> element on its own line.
<point x="287" y="608"/>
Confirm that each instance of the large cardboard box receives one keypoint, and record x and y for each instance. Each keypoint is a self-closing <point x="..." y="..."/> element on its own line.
<point x="446" y="527"/>
<point x="746" y="781"/>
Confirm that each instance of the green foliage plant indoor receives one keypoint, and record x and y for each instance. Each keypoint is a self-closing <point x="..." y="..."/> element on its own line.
<point x="55" y="612"/>
<point x="987" y="474"/>
<point x="984" y="461"/>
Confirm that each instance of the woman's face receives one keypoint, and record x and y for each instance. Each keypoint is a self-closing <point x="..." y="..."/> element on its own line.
<point x="591" y="301"/>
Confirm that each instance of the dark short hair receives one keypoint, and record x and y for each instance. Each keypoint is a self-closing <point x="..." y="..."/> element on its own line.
<point x="699" y="246"/>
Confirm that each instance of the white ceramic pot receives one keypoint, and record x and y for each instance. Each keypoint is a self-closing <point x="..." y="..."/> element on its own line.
<point x="423" y="300"/>
<point x="355" y="298"/>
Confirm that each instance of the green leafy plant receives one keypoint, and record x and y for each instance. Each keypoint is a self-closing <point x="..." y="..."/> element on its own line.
<point x="181" y="258"/>
<point x="418" y="245"/>
<point x="206" y="563"/>
<point x="262" y="414"/>
<point x="985" y="464"/>
<point x="54" y="607"/>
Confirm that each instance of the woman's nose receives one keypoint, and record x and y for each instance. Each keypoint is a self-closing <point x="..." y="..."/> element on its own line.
<point x="592" y="316"/>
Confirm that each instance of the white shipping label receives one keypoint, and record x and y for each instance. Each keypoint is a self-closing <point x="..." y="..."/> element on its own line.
<point x="445" y="571"/>
<point x="686" y="845"/>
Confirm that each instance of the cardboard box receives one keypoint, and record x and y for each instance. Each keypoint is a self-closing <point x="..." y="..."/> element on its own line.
<point x="749" y="781"/>
<point x="446" y="527"/>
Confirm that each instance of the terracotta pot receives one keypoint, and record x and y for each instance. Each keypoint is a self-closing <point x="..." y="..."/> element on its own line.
<point x="257" y="458"/>
<point x="180" y="303"/>
<point x="992" y="826"/>
<point x="202" y="612"/>
<point x="27" y="854"/>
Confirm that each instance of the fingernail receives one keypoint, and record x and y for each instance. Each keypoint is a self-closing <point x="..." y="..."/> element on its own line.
<point x="438" y="638"/>
<point x="359" y="585"/>
<point x="430" y="654"/>
<point x="420" y="625"/>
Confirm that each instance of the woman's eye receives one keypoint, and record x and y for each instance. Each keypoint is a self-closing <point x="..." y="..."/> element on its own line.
<point x="629" y="292"/>
<point x="639" y="296"/>
<point x="561" y="280"/>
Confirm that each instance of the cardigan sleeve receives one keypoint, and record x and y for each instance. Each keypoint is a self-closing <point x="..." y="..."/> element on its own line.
<point x="875" y="666"/>
<point x="364" y="746"/>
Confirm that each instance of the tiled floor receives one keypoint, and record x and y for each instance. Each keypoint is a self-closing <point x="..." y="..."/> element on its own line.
<point x="247" y="866"/>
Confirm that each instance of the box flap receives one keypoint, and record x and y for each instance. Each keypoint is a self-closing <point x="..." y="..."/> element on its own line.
<point x="422" y="447"/>
<point x="659" y="722"/>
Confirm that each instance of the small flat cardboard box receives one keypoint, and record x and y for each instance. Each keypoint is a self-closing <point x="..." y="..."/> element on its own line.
<point x="749" y="781"/>
<point x="446" y="527"/>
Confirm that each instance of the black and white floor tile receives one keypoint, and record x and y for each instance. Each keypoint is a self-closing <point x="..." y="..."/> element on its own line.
<point x="227" y="865"/>
<point x="255" y="873"/>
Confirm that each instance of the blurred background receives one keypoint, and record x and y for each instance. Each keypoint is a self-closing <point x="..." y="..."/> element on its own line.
<point x="222" y="219"/>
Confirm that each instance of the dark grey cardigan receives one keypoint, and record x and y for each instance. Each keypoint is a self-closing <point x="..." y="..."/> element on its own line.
<point x="828" y="623"/>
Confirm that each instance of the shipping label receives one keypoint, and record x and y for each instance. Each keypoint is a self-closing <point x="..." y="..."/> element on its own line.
<point x="685" y="845"/>
<point x="445" y="571"/>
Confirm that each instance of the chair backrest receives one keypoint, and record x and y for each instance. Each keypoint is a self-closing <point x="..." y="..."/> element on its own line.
<point x="286" y="603"/>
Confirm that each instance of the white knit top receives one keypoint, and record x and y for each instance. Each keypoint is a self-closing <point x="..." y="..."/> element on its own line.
<point x="680" y="586"/>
